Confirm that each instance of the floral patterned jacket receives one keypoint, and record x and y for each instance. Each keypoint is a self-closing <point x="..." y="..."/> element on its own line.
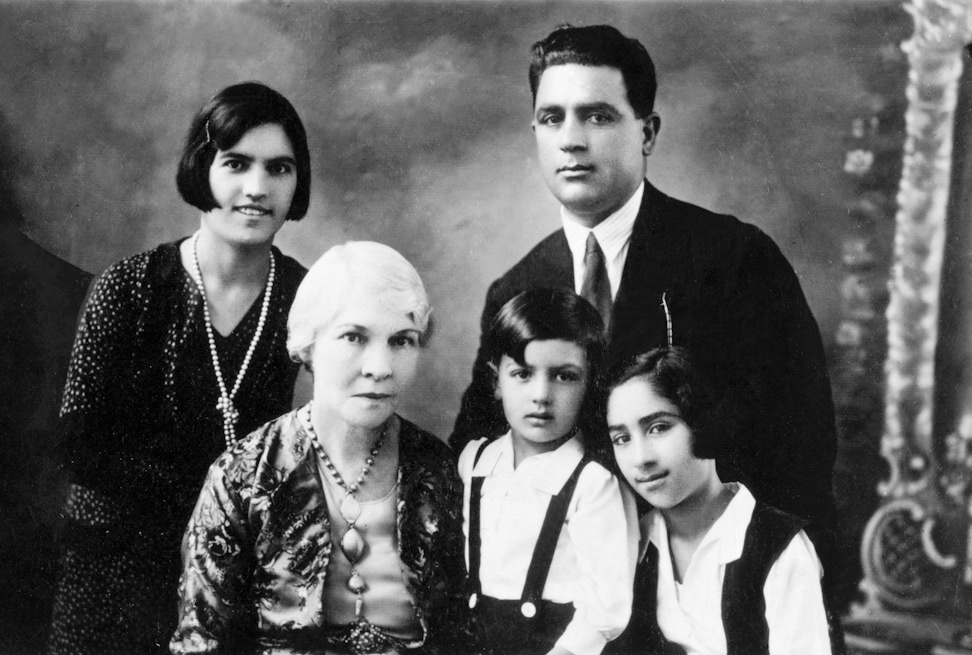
<point x="256" y="552"/>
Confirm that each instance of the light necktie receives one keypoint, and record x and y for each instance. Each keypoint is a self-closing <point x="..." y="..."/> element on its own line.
<point x="596" y="288"/>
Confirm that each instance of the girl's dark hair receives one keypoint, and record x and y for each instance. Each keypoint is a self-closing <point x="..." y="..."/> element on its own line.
<point x="544" y="314"/>
<point x="222" y="122"/>
<point x="673" y="375"/>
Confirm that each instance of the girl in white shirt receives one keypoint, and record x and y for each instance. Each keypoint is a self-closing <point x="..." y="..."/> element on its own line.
<point x="720" y="573"/>
<point x="550" y="543"/>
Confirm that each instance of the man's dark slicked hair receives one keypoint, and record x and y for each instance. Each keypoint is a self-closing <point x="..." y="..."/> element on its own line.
<point x="598" y="45"/>
<point x="222" y="122"/>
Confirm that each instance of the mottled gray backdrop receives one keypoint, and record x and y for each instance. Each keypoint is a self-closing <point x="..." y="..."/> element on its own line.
<point x="418" y="119"/>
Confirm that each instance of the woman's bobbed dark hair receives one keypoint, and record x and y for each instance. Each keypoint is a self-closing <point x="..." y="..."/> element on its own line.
<point x="221" y="123"/>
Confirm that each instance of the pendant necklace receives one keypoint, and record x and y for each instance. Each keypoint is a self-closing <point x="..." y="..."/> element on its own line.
<point x="352" y="543"/>
<point x="225" y="403"/>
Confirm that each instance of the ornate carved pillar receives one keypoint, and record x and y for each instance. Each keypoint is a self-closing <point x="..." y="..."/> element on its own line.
<point x="917" y="548"/>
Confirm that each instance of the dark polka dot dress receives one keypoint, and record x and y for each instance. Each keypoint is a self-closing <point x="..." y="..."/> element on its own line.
<point x="139" y="431"/>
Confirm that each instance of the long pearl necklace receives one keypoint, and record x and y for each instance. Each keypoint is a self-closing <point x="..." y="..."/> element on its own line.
<point x="225" y="403"/>
<point x="352" y="543"/>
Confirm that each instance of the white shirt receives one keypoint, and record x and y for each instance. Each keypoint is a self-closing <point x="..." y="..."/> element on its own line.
<point x="593" y="566"/>
<point x="613" y="234"/>
<point x="690" y="612"/>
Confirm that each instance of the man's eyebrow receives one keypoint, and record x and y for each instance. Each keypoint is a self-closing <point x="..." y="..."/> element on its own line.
<point x="598" y="106"/>
<point x="548" y="107"/>
<point x="584" y="108"/>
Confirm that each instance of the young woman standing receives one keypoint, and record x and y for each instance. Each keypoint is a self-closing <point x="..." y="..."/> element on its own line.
<point x="180" y="352"/>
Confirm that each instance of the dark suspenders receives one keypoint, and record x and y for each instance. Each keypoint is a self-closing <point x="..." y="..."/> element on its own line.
<point x="543" y="552"/>
<point x="475" y="541"/>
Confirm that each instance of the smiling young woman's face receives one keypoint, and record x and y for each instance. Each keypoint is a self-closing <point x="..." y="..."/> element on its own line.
<point x="653" y="446"/>
<point x="254" y="183"/>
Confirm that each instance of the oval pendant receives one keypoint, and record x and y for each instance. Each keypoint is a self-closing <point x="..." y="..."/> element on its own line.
<point x="350" y="509"/>
<point x="356" y="582"/>
<point x="352" y="545"/>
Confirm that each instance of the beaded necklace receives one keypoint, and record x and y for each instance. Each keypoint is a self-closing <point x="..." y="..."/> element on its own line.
<point x="225" y="403"/>
<point x="352" y="543"/>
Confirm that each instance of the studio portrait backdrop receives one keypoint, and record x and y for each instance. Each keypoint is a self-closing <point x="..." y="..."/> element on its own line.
<point x="788" y="115"/>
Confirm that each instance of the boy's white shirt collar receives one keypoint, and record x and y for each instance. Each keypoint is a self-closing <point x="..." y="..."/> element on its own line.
<point x="548" y="472"/>
<point x="729" y="530"/>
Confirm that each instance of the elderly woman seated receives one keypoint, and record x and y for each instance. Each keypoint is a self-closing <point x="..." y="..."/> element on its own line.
<point x="336" y="528"/>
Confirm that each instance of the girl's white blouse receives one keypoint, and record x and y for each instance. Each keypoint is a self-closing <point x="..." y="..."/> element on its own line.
<point x="690" y="612"/>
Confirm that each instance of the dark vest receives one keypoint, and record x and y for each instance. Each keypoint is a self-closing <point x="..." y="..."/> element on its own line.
<point x="743" y="604"/>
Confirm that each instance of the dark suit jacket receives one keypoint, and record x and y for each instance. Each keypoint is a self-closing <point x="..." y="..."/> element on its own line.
<point x="737" y="305"/>
<point x="40" y="295"/>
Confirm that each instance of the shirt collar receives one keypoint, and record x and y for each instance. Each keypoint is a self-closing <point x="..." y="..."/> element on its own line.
<point x="612" y="233"/>
<point x="728" y="533"/>
<point x="548" y="472"/>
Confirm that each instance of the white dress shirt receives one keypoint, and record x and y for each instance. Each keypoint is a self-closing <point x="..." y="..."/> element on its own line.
<point x="690" y="612"/>
<point x="613" y="234"/>
<point x="593" y="566"/>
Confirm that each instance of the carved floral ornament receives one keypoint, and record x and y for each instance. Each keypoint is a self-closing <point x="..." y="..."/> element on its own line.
<point x="903" y="564"/>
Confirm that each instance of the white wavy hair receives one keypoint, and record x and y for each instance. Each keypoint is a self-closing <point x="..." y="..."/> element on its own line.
<point x="356" y="269"/>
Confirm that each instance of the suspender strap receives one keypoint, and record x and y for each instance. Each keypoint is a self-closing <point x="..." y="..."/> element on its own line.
<point x="543" y="552"/>
<point x="475" y="541"/>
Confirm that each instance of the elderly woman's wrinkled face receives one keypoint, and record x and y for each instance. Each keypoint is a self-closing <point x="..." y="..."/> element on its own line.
<point x="363" y="361"/>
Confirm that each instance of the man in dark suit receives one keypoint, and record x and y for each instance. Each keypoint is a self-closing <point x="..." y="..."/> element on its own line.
<point x="661" y="270"/>
<point x="40" y="296"/>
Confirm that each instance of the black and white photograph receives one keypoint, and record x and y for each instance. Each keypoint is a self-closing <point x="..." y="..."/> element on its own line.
<point x="472" y="327"/>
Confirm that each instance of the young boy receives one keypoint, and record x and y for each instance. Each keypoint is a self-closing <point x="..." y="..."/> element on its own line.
<point x="549" y="548"/>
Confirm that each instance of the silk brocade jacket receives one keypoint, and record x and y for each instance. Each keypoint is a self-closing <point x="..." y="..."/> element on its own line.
<point x="257" y="548"/>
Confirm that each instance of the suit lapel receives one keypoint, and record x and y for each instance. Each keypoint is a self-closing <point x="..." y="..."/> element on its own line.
<point x="653" y="267"/>
<point x="556" y="267"/>
<point x="638" y="319"/>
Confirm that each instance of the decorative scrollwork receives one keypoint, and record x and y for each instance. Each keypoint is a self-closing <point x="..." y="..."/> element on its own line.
<point x="902" y="565"/>
<point x="945" y="24"/>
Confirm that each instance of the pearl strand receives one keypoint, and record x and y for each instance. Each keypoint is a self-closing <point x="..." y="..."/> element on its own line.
<point x="225" y="403"/>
